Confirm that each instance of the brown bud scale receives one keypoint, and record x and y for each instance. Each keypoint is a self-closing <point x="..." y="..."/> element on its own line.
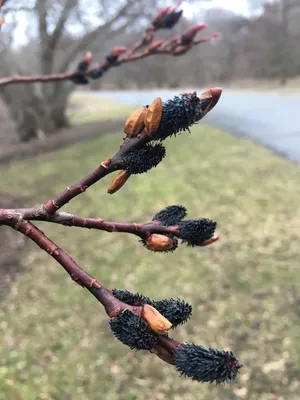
<point x="118" y="182"/>
<point x="153" y="116"/>
<point x="157" y="322"/>
<point x="157" y="242"/>
<point x="135" y="122"/>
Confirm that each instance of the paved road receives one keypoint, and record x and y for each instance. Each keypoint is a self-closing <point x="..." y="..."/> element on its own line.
<point x="271" y="120"/>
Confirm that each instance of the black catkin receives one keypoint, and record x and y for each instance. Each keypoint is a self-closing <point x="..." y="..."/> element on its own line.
<point x="170" y="215"/>
<point x="197" y="231"/>
<point x="132" y="331"/>
<point x="177" y="311"/>
<point x="206" y="364"/>
<point x="178" y="114"/>
<point x="133" y="299"/>
<point x="140" y="160"/>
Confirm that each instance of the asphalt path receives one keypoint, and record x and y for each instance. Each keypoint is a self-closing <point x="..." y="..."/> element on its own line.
<point x="272" y="120"/>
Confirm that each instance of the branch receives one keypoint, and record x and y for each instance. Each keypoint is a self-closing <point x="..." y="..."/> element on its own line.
<point x="134" y="155"/>
<point x="165" y="19"/>
<point x="142" y="326"/>
<point x="53" y="40"/>
<point x="91" y="36"/>
<point x="157" y="235"/>
<point x="103" y="68"/>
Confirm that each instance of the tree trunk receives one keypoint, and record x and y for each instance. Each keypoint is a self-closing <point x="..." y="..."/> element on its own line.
<point x="36" y="116"/>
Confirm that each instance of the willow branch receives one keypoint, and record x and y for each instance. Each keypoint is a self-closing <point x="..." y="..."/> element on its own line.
<point x="17" y="79"/>
<point x="165" y="347"/>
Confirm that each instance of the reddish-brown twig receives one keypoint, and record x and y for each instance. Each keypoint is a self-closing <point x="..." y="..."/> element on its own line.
<point x="17" y="79"/>
<point x="2" y="2"/>
<point x="165" y="347"/>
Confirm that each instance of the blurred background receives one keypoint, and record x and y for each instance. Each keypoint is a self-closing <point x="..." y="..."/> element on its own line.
<point x="239" y="167"/>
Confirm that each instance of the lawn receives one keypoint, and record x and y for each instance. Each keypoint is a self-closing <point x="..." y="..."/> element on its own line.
<point x="84" y="109"/>
<point x="55" y="339"/>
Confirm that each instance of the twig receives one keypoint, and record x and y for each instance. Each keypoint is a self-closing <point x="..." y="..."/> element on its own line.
<point x="2" y="2"/>
<point x="219" y="366"/>
<point x="17" y="79"/>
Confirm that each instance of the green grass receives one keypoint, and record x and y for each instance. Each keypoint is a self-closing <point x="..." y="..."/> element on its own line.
<point x="55" y="340"/>
<point x="84" y="109"/>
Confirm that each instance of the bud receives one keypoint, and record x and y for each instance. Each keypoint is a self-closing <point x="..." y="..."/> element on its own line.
<point x="153" y="116"/>
<point x="140" y="160"/>
<point x="79" y="79"/>
<point x="154" y="46"/>
<point x="213" y="239"/>
<point x="180" y="49"/>
<point x="171" y="215"/>
<point x="160" y="15"/>
<point x="85" y="62"/>
<point x="135" y="122"/>
<point x="118" y="182"/>
<point x="156" y="242"/>
<point x="148" y="37"/>
<point x="211" y="97"/>
<point x="1" y="22"/>
<point x="198" y="231"/>
<point x="113" y="56"/>
<point x="132" y="331"/>
<point x="179" y="113"/>
<point x="116" y="51"/>
<point x="190" y="33"/>
<point x="170" y="20"/>
<point x="95" y="73"/>
<point x="206" y="364"/>
<point x="157" y="322"/>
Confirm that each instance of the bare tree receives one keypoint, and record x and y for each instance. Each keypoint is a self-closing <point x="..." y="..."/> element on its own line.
<point x="39" y="108"/>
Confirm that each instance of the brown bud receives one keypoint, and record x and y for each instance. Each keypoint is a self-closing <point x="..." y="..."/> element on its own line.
<point x="157" y="322"/>
<point x="155" y="45"/>
<point x="153" y="116"/>
<point x="87" y="57"/>
<point x="212" y="96"/>
<point x="181" y="49"/>
<point x="116" y="51"/>
<point x="213" y="239"/>
<point x="118" y="182"/>
<point x="156" y="242"/>
<point x="135" y="122"/>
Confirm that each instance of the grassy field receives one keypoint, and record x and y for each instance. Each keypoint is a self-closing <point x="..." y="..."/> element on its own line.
<point x="86" y="109"/>
<point x="55" y="342"/>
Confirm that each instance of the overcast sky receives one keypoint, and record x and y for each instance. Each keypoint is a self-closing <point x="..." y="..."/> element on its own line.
<point x="239" y="6"/>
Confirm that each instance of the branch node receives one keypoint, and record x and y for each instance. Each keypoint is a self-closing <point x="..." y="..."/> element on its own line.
<point x="105" y="164"/>
<point x="114" y="313"/>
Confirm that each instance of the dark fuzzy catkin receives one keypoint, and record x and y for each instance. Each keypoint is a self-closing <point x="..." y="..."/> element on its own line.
<point x="138" y="161"/>
<point x="133" y="299"/>
<point x="95" y="73"/>
<point x="171" y="215"/>
<point x="168" y="21"/>
<point x="197" y="231"/>
<point x="79" y="80"/>
<point x="132" y="331"/>
<point x="178" y="114"/>
<point x="206" y="364"/>
<point x="176" y="311"/>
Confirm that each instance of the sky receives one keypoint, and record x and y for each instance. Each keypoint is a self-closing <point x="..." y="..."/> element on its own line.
<point x="239" y="6"/>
